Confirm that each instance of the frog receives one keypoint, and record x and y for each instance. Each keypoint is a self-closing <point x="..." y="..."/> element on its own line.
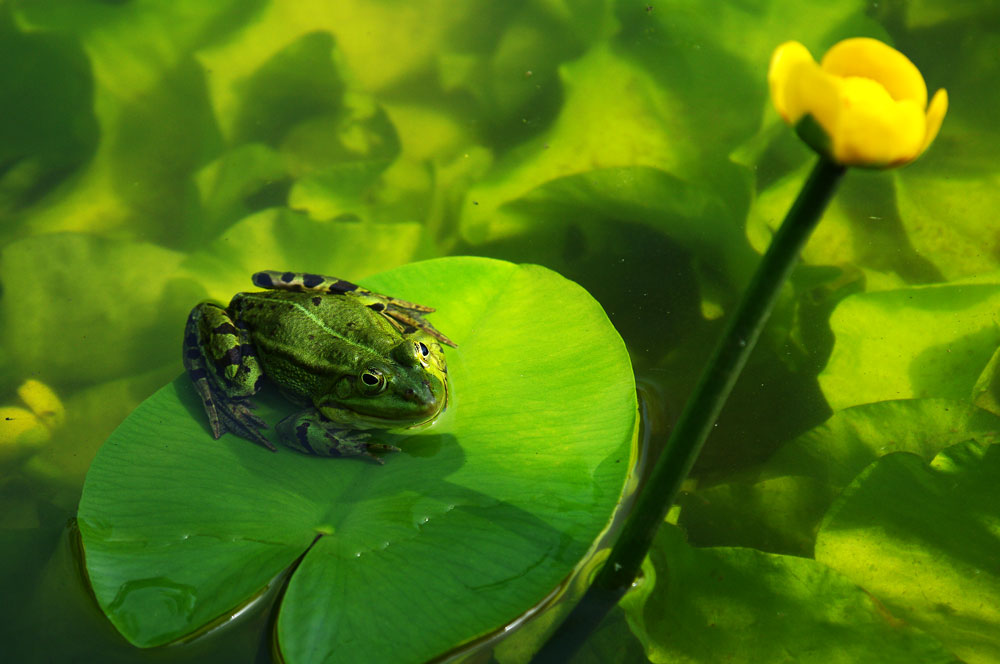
<point x="353" y="360"/>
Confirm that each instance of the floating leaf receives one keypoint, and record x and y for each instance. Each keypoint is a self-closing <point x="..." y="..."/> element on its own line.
<point x="475" y="522"/>
<point x="924" y="540"/>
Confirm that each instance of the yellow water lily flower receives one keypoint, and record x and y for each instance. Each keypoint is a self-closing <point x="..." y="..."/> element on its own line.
<point x="864" y="104"/>
<point x="43" y="402"/>
<point x="21" y="433"/>
<point x="24" y="430"/>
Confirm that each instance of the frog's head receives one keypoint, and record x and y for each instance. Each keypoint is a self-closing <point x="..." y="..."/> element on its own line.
<point x="406" y="387"/>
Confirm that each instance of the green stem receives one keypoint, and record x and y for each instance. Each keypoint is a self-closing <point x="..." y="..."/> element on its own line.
<point x="698" y="418"/>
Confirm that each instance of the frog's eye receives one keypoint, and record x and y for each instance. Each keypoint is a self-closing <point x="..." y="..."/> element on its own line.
<point x="371" y="382"/>
<point x="421" y="351"/>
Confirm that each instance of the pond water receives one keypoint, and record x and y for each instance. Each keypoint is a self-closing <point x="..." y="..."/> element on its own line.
<point x="156" y="154"/>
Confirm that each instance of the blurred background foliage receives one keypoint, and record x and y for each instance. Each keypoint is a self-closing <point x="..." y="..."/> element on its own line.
<point x="155" y="153"/>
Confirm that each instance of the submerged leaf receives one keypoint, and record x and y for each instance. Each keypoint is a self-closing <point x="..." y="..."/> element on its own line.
<point x="599" y="85"/>
<point x="51" y="129"/>
<point x="924" y="540"/>
<point x="102" y="310"/>
<point x="281" y="239"/>
<point x="155" y="122"/>
<point x="741" y="605"/>
<point x="779" y="507"/>
<point x="931" y="341"/>
<point x="844" y="445"/>
<point x="947" y="204"/>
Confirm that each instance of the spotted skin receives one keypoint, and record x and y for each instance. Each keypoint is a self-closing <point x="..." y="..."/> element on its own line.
<point x="230" y="360"/>
<point x="406" y="316"/>
<point x="228" y="352"/>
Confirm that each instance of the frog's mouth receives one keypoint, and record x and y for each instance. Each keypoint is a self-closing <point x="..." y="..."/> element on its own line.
<point x="356" y="416"/>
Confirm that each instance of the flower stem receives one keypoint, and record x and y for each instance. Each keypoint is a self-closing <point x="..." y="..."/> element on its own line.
<point x="699" y="416"/>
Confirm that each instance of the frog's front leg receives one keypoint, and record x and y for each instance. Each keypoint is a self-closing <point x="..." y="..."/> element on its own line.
<point x="309" y="432"/>
<point x="225" y="372"/>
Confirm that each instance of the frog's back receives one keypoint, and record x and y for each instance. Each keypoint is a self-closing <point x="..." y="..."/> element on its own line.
<point x="288" y="318"/>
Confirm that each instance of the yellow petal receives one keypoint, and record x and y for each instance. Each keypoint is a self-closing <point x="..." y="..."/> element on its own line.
<point x="20" y="432"/>
<point x="43" y="402"/>
<point x="785" y="62"/>
<point x="812" y="91"/>
<point x="870" y="58"/>
<point x="874" y="129"/>
<point x="935" y="115"/>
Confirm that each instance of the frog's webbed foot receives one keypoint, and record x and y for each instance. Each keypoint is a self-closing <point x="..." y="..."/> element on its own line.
<point x="408" y="317"/>
<point x="238" y="418"/>
<point x="310" y="433"/>
<point x="232" y="415"/>
<point x="378" y="447"/>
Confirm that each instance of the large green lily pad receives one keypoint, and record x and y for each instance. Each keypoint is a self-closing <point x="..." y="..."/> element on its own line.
<point x="474" y="522"/>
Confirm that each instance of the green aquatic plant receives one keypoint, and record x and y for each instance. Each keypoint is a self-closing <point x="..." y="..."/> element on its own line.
<point x="161" y="152"/>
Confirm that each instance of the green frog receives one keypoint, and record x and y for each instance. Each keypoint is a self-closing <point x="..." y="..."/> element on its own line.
<point x="355" y="359"/>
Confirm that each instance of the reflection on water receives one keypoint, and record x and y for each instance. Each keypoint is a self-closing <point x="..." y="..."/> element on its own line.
<point x="172" y="604"/>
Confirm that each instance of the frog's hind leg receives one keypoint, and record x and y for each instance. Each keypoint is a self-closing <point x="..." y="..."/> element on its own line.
<point x="407" y="317"/>
<point x="225" y="372"/>
<point x="309" y="283"/>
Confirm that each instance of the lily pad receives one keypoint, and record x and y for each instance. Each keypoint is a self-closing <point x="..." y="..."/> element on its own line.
<point x="472" y="524"/>
<point x="924" y="540"/>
